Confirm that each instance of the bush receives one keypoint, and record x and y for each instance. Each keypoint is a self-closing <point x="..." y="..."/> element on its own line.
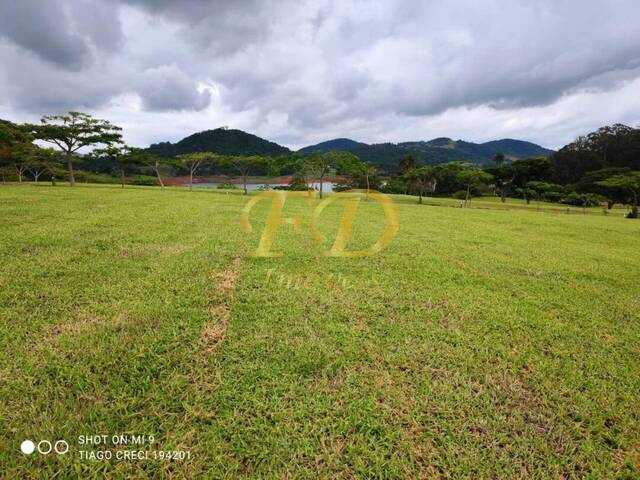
<point x="227" y="186"/>
<point x="552" y="196"/>
<point x="143" y="180"/>
<point x="459" y="195"/>
<point x="83" y="176"/>
<point x="582" y="199"/>
<point x="394" y="185"/>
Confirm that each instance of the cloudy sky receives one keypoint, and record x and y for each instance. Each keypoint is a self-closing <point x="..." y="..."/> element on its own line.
<point x="299" y="72"/>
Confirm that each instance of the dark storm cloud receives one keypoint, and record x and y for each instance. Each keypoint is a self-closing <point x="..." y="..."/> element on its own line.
<point x="42" y="28"/>
<point x="218" y="26"/>
<point x="59" y="32"/>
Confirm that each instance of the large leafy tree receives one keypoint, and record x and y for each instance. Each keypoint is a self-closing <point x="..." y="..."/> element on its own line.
<point x="72" y="131"/>
<point x="608" y="147"/>
<point x="408" y="162"/>
<point x="472" y="178"/>
<point x="504" y="174"/>
<point x="122" y="155"/>
<point x="359" y="171"/>
<point x="44" y="161"/>
<point x="629" y="183"/>
<point x="531" y="170"/>
<point x="423" y="179"/>
<point x="591" y="182"/>
<point x="15" y="148"/>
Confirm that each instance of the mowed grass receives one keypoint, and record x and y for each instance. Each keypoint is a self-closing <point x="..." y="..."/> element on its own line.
<point x="479" y="344"/>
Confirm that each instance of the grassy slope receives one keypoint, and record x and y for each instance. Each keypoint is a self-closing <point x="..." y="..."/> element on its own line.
<point x="487" y="343"/>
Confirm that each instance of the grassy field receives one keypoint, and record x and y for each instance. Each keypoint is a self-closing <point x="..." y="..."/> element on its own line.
<point x="481" y="343"/>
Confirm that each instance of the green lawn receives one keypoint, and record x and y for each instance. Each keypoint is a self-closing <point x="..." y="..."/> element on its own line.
<point x="481" y="343"/>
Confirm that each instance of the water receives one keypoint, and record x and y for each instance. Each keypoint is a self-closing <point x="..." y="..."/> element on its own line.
<point x="326" y="186"/>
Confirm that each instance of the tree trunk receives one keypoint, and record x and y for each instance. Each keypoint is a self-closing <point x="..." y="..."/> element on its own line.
<point x="367" y="186"/>
<point x="19" y="174"/>
<point x="610" y="204"/>
<point x="190" y="179"/>
<point x="244" y="183"/>
<point x="634" y="208"/>
<point x="72" y="177"/>
<point x="420" y="192"/>
<point x="122" y="177"/>
<point x="36" y="176"/>
<point x="321" y="187"/>
<point x="466" y="199"/>
<point x="159" y="177"/>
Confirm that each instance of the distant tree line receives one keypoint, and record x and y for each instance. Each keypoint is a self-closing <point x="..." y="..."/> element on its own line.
<point x="602" y="167"/>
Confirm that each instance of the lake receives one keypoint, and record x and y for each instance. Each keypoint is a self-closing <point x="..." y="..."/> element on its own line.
<point x="326" y="186"/>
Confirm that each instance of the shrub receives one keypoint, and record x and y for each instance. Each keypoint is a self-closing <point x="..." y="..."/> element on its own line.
<point x="582" y="199"/>
<point x="552" y="196"/>
<point x="90" y="177"/>
<point x="459" y="195"/>
<point x="227" y="186"/>
<point x="143" y="180"/>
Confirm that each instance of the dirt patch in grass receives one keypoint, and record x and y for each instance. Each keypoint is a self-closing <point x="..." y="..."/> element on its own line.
<point x="220" y="297"/>
<point x="83" y="323"/>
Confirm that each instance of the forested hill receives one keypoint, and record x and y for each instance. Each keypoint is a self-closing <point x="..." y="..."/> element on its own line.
<point x="438" y="150"/>
<point x="221" y="140"/>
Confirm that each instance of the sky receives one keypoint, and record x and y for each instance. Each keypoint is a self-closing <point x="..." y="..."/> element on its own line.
<point x="300" y="72"/>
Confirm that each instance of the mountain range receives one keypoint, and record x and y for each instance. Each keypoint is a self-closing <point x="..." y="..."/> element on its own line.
<point x="438" y="150"/>
<point x="384" y="155"/>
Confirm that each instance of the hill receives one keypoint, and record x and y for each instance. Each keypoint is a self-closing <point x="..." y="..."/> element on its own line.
<point x="438" y="150"/>
<point x="340" y="144"/>
<point x="221" y="140"/>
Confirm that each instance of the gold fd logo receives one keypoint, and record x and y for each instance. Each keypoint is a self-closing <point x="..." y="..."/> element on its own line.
<point x="351" y="200"/>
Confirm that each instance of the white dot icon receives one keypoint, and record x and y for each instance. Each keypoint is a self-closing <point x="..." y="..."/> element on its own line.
<point x="27" y="447"/>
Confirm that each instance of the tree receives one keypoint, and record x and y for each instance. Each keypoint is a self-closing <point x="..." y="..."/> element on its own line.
<point x="15" y="148"/>
<point x="590" y="182"/>
<point x="244" y="165"/>
<point x="360" y="172"/>
<point x="43" y="161"/>
<point x="20" y="158"/>
<point x="407" y="163"/>
<point x="273" y="167"/>
<point x="541" y="188"/>
<point x="630" y="183"/>
<point x="472" y="177"/>
<point x="504" y="175"/>
<point x="150" y="160"/>
<point x="319" y="165"/>
<point x="193" y="161"/>
<point x="73" y="131"/>
<point x="121" y="155"/>
<point x="424" y="178"/>
<point x="531" y="170"/>
<point x="608" y="147"/>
